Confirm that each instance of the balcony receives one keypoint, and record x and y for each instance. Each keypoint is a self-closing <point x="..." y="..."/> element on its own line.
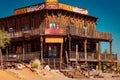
<point x="64" y="31"/>
<point x="91" y="34"/>
<point x="91" y="56"/>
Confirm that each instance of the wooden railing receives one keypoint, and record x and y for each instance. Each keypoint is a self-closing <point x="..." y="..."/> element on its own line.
<point x="92" y="56"/>
<point x="64" y="31"/>
<point x="24" y="57"/>
<point x="54" y="63"/>
<point x="91" y="34"/>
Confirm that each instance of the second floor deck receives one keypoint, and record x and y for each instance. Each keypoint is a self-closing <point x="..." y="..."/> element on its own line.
<point x="63" y="31"/>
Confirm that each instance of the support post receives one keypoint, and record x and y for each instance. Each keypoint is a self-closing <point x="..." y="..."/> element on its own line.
<point x="61" y="56"/>
<point x="99" y="52"/>
<point x="23" y="45"/>
<point x="117" y="64"/>
<point x="85" y="50"/>
<point x="110" y="56"/>
<point x="23" y="53"/>
<point x="69" y="46"/>
<point x="7" y="53"/>
<point x="76" y="54"/>
<point x="41" y="38"/>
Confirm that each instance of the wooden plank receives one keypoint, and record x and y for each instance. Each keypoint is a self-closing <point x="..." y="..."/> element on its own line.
<point x="85" y="49"/>
<point x="61" y="55"/>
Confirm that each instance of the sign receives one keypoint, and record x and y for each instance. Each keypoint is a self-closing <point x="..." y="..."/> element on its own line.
<point x="53" y="31"/>
<point x="51" y="6"/>
<point x="54" y="40"/>
<point x="66" y="7"/>
<point x="20" y="11"/>
<point x="35" y="8"/>
<point x="51" y="1"/>
<point x="80" y="10"/>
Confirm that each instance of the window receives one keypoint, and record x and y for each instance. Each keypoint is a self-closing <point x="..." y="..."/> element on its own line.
<point x="10" y="30"/>
<point x="44" y="24"/>
<point x="55" y="50"/>
<point x="52" y="25"/>
<point x="26" y="28"/>
<point x="50" y="51"/>
<point x="71" y="28"/>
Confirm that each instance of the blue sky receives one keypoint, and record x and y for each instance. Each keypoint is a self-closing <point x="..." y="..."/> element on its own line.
<point x="107" y="11"/>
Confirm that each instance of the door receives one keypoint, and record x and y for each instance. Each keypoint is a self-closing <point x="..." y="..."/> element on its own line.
<point x="52" y="55"/>
<point x="53" y="50"/>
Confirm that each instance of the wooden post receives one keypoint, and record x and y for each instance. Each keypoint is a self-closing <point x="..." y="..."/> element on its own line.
<point x="76" y="54"/>
<point x="111" y="56"/>
<point x="41" y="38"/>
<point x="23" y="45"/>
<point x="85" y="50"/>
<point x="7" y="53"/>
<point x="99" y="55"/>
<point x="69" y="46"/>
<point x="61" y="56"/>
<point x="23" y="53"/>
<point x="117" y="64"/>
<point x="54" y="63"/>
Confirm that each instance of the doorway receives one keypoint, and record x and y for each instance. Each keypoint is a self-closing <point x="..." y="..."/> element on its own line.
<point x="52" y="55"/>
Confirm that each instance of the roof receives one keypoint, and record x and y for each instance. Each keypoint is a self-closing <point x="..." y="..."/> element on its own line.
<point x="50" y="5"/>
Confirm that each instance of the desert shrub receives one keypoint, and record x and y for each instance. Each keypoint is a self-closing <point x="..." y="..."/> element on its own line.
<point x="35" y="63"/>
<point x="78" y="68"/>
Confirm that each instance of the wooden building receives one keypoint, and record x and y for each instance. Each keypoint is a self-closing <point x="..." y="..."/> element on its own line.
<point x="57" y="34"/>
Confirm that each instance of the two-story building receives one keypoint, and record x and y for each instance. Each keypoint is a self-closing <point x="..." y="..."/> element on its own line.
<point x="57" y="34"/>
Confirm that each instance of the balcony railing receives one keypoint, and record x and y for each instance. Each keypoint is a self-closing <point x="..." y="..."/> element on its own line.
<point x="25" y="57"/>
<point x="92" y="56"/>
<point x="64" y="31"/>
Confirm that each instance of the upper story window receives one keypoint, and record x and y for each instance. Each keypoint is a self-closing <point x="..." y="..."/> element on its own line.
<point x="44" y="24"/>
<point x="11" y="30"/>
<point x="52" y="25"/>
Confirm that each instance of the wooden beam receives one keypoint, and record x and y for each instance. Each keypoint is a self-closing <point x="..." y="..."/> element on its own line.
<point x="69" y="46"/>
<point x="7" y="52"/>
<point x="41" y="38"/>
<point x="111" y="56"/>
<point x="85" y="50"/>
<point x="76" y="54"/>
<point x="99" y="52"/>
<point x="23" y="49"/>
<point x="61" y="56"/>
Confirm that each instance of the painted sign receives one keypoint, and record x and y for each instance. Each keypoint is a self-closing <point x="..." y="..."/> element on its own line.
<point x="80" y="10"/>
<point x="66" y="7"/>
<point x="54" y="40"/>
<point x="51" y="1"/>
<point x="35" y="8"/>
<point x="51" y="6"/>
<point x="53" y="31"/>
<point x="20" y="11"/>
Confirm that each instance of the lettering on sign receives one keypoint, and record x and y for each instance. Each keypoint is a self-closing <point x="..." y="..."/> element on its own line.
<point x="51" y="5"/>
<point x="20" y="11"/>
<point x="35" y="8"/>
<point x="80" y="10"/>
<point x="51" y="1"/>
<point x="66" y="7"/>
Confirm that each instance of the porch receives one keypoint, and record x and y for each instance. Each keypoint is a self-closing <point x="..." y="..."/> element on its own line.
<point x="92" y="57"/>
<point x="21" y="57"/>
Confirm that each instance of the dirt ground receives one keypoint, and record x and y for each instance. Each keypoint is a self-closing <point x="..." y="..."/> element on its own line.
<point x="27" y="74"/>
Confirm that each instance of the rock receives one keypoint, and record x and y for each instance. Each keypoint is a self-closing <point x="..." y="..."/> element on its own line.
<point x="47" y="68"/>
